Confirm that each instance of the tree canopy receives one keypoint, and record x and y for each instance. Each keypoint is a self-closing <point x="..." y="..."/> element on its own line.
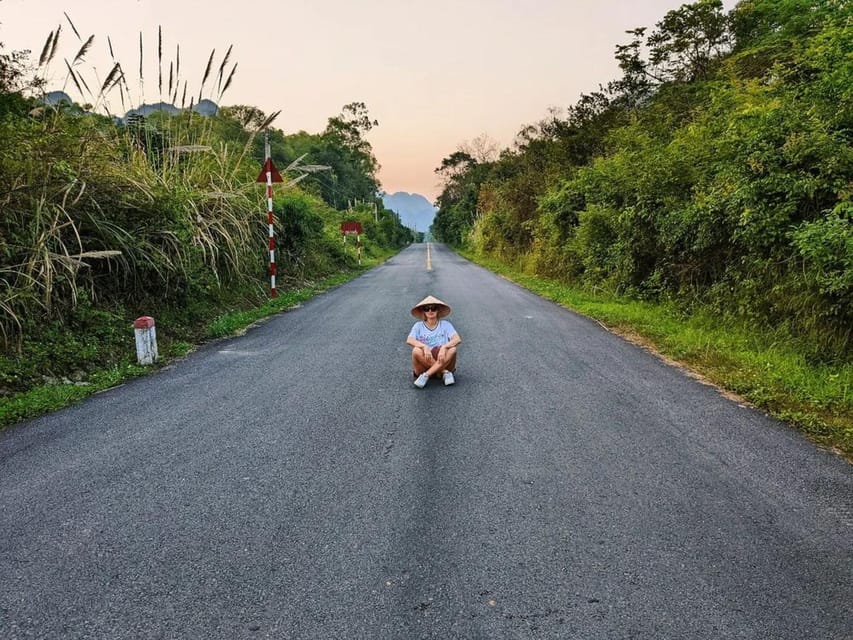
<point x="715" y="172"/>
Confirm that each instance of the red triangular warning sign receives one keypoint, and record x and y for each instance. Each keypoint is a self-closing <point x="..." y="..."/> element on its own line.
<point x="269" y="166"/>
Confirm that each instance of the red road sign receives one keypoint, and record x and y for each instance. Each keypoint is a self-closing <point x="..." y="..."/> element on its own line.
<point x="269" y="166"/>
<point x="351" y="228"/>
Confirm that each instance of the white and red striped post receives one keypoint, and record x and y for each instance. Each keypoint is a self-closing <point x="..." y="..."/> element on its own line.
<point x="268" y="167"/>
<point x="273" y="293"/>
<point x="270" y="174"/>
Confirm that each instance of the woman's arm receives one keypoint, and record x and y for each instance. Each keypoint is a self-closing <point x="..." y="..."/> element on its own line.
<point x="414" y="342"/>
<point x="454" y="341"/>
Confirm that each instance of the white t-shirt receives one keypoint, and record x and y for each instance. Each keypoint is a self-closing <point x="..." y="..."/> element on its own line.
<point x="435" y="337"/>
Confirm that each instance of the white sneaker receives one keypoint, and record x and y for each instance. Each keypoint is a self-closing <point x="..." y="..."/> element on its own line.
<point x="421" y="381"/>
<point x="448" y="378"/>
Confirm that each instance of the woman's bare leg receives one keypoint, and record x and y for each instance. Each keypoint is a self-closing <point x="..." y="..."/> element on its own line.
<point x="449" y="363"/>
<point x="432" y="366"/>
<point x="420" y="363"/>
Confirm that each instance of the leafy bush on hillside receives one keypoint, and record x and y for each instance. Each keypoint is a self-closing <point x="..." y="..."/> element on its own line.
<point x="715" y="173"/>
<point x="104" y="219"/>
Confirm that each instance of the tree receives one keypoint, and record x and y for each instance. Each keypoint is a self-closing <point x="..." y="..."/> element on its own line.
<point x="482" y="148"/>
<point x="13" y="82"/>
<point x="344" y="148"/>
<point x="457" y="203"/>
<point x="250" y="118"/>
<point x="682" y="48"/>
<point x="767" y="22"/>
<point x="688" y="39"/>
<point x="351" y="125"/>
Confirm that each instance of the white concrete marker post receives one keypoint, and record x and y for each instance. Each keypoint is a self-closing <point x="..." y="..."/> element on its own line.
<point x="146" y="340"/>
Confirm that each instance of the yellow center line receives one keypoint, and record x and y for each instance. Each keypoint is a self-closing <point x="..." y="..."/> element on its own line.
<point x="429" y="263"/>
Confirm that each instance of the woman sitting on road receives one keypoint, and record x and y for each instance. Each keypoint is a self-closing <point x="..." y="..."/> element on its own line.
<point x="433" y="341"/>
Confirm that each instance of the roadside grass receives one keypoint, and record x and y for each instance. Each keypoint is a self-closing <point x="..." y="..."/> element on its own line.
<point x="758" y="365"/>
<point x="63" y="392"/>
<point x="50" y="397"/>
<point x="236" y="321"/>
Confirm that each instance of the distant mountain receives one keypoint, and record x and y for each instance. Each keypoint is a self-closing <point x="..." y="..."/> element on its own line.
<point x="54" y="98"/>
<point x="416" y="212"/>
<point x="148" y="109"/>
<point x="204" y="107"/>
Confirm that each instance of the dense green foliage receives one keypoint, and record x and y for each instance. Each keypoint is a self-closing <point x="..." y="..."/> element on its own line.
<point x="715" y="174"/>
<point x="103" y="220"/>
<point x="342" y="147"/>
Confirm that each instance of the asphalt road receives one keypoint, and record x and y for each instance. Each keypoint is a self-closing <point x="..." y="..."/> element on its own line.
<point x="292" y="483"/>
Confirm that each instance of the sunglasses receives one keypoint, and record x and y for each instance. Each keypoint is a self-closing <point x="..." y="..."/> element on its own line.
<point x="431" y="307"/>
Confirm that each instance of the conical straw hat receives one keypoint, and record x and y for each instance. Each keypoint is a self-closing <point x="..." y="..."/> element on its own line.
<point x="443" y="311"/>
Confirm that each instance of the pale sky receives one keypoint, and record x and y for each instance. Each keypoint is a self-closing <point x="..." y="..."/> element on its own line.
<point x="435" y="73"/>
